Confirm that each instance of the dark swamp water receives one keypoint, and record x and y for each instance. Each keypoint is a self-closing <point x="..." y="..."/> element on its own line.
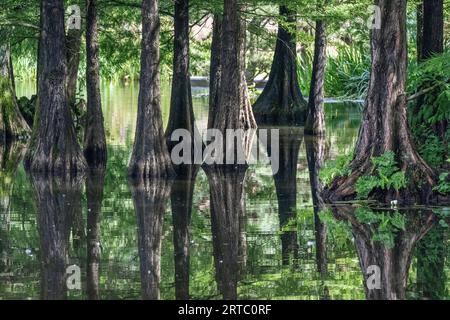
<point x="150" y="241"/>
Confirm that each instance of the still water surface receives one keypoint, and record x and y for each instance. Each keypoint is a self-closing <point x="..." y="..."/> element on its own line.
<point x="142" y="242"/>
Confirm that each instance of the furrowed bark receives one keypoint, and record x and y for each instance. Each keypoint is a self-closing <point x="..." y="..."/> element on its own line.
<point x="94" y="139"/>
<point x="150" y="156"/>
<point x="54" y="148"/>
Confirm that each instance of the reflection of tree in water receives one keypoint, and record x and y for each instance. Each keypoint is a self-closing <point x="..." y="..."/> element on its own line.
<point x="286" y="188"/>
<point x="227" y="195"/>
<point x="149" y="197"/>
<point x="393" y="256"/>
<point x="315" y="153"/>
<point x="94" y="193"/>
<point x="181" y="196"/>
<point x="431" y="255"/>
<point x="57" y="200"/>
<point x="11" y="155"/>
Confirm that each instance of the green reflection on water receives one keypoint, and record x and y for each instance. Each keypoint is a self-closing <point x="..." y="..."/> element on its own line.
<point x="265" y="275"/>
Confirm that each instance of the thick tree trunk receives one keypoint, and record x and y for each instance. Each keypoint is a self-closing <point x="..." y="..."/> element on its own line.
<point x="394" y="263"/>
<point x="94" y="193"/>
<point x="56" y="201"/>
<point x="282" y="102"/>
<point x="181" y="200"/>
<point x="315" y="122"/>
<point x="226" y="195"/>
<point x="12" y="123"/>
<point x="94" y="139"/>
<point x="150" y="156"/>
<point x="315" y="153"/>
<point x="384" y="125"/>
<point x="149" y="197"/>
<point x="54" y="148"/>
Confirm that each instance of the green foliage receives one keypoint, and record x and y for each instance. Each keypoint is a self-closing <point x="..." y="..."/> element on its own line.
<point x="387" y="175"/>
<point x="336" y="168"/>
<point x="348" y="73"/>
<point x="387" y="224"/>
<point x="443" y="186"/>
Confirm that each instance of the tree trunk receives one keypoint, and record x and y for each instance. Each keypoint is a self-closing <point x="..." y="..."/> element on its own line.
<point x="94" y="193"/>
<point x="181" y="107"/>
<point x="432" y="42"/>
<point x="227" y="112"/>
<point x="54" y="148"/>
<point x="247" y="118"/>
<point x="150" y="156"/>
<point x="94" y="139"/>
<point x="394" y="263"/>
<point x="282" y="102"/>
<point x="215" y="72"/>
<point x="315" y="123"/>
<point x="56" y="201"/>
<point x="73" y="47"/>
<point x="149" y="197"/>
<point x="12" y="123"/>
<point x="419" y="31"/>
<point x="384" y="125"/>
<point x="315" y="153"/>
<point x="181" y="200"/>
<point x="433" y="28"/>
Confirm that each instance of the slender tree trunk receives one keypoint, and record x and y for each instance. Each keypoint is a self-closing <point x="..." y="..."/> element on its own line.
<point x="215" y="68"/>
<point x="384" y="125"/>
<point x="282" y="102"/>
<point x="149" y="197"/>
<point x="73" y="47"/>
<point x="433" y="28"/>
<point x="12" y="123"/>
<point x="247" y="118"/>
<point x="94" y="139"/>
<point x="150" y="156"/>
<point x="94" y="193"/>
<point x="54" y="149"/>
<point x="432" y="42"/>
<point x="419" y="36"/>
<point x="181" y="196"/>
<point x="315" y="123"/>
